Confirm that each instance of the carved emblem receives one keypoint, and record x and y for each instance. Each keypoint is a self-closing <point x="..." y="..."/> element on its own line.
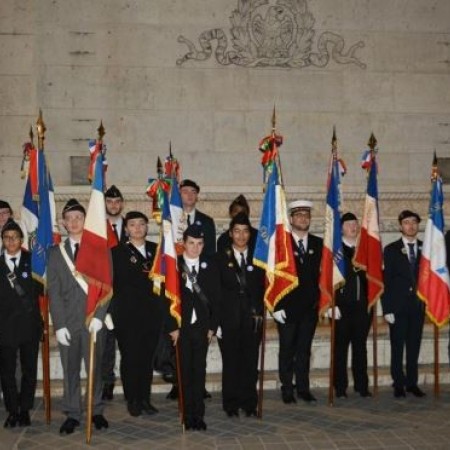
<point x="267" y="33"/>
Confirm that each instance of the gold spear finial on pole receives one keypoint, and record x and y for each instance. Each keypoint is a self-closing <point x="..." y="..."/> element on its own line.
<point x="101" y="131"/>
<point x="170" y="150"/>
<point x="372" y="142"/>
<point x="31" y="135"/>
<point x="274" y="119"/>
<point x="40" y="125"/>
<point x="334" y="142"/>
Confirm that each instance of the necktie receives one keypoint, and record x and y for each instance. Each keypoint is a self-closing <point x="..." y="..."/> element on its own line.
<point x="114" y="225"/>
<point x="75" y="254"/>
<point x="188" y="219"/>
<point x="412" y="255"/>
<point x="13" y="260"/>
<point x="193" y="272"/>
<point x="301" y="249"/>
<point x="242" y="263"/>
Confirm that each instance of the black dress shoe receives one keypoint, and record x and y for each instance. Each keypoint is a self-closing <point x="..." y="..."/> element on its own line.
<point x="399" y="392"/>
<point x="365" y="393"/>
<point x="341" y="394"/>
<point x="108" y="392"/>
<point x="189" y="424"/>
<point x="11" y="420"/>
<point x="200" y="424"/>
<point x="416" y="391"/>
<point x="24" y="419"/>
<point x="306" y="396"/>
<point x="134" y="408"/>
<point x="206" y="394"/>
<point x="232" y="412"/>
<point x="148" y="408"/>
<point x="288" y="397"/>
<point x="250" y="413"/>
<point x="69" y="426"/>
<point x="99" y="421"/>
<point x="173" y="394"/>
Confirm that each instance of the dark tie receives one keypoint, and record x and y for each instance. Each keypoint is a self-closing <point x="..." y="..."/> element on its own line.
<point x="301" y="250"/>
<point x="242" y="263"/>
<point x="193" y="272"/>
<point x="114" y="225"/>
<point x="412" y="255"/>
<point x="13" y="260"/>
<point x="75" y="254"/>
<point x="188" y="219"/>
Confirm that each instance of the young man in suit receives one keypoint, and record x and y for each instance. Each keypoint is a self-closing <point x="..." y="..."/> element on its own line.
<point x="241" y="310"/>
<point x="297" y="313"/>
<point x="138" y="313"/>
<point x="114" y="206"/>
<point x="200" y="297"/>
<point x="352" y="317"/>
<point x="402" y="308"/>
<point x="68" y="296"/>
<point x="189" y="191"/>
<point x="20" y="326"/>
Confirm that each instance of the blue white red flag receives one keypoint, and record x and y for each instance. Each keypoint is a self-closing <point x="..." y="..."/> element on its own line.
<point x="332" y="267"/>
<point x="369" y="253"/>
<point x="94" y="259"/>
<point x="165" y="266"/>
<point x="433" y="286"/>
<point x="273" y="250"/>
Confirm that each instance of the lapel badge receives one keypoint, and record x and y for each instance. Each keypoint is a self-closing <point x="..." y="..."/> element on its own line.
<point x="230" y="264"/>
<point x="404" y="251"/>
<point x="24" y="275"/>
<point x="203" y="265"/>
<point x="249" y="268"/>
<point x="133" y="259"/>
<point x="311" y="251"/>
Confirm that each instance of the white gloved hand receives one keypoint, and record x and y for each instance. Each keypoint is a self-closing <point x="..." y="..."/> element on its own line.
<point x="63" y="336"/>
<point x="219" y="333"/>
<point x="95" y="325"/>
<point x="337" y="313"/>
<point x="389" y="318"/>
<point x="279" y="316"/>
<point x="109" y="322"/>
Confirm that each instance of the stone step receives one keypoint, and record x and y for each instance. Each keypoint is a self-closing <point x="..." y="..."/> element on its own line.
<point x="320" y="355"/>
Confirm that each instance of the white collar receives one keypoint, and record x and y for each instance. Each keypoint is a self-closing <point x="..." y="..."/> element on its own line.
<point x="237" y="254"/>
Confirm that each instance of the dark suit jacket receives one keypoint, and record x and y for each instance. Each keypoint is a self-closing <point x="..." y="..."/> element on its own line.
<point x="399" y="280"/>
<point x="134" y="305"/>
<point x="208" y="279"/>
<point x="67" y="298"/>
<point x="209" y="228"/>
<point x="306" y="295"/>
<point x="224" y="241"/>
<point x="237" y="303"/>
<point x="20" y="319"/>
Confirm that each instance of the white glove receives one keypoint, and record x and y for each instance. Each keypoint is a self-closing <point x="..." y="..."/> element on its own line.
<point x="63" y="336"/>
<point x="389" y="318"/>
<point x="109" y="322"/>
<point x="337" y="313"/>
<point x="279" y="316"/>
<point x="219" y="333"/>
<point x="95" y="325"/>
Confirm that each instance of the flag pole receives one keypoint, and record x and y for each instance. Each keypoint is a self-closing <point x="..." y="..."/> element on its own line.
<point x="91" y="374"/>
<point x="436" y="362"/>
<point x="43" y="301"/>
<point x="333" y="304"/>
<point x="372" y="144"/>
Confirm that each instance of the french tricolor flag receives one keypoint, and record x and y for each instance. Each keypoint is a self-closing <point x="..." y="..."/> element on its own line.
<point x="94" y="260"/>
<point x="176" y="214"/>
<point x="433" y="286"/>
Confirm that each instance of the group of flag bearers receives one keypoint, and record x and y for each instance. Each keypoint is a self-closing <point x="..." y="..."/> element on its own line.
<point x="179" y="288"/>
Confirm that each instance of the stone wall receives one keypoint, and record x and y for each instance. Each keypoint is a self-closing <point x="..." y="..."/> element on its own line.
<point x="381" y="66"/>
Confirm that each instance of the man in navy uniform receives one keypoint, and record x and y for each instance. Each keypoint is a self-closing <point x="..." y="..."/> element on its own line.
<point x="352" y="317"/>
<point x="200" y="297"/>
<point x="114" y="206"/>
<point x="297" y="313"/>
<point x="402" y="308"/>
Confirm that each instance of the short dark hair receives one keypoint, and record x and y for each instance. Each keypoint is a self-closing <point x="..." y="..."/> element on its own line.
<point x="11" y="225"/>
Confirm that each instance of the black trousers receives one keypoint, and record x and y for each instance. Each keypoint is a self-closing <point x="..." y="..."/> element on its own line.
<point x="22" y="400"/>
<point x="406" y="332"/>
<point x="295" y="351"/>
<point x="193" y="349"/>
<point x="109" y="358"/>
<point x="352" y="329"/>
<point x="239" y="347"/>
<point x="137" y="352"/>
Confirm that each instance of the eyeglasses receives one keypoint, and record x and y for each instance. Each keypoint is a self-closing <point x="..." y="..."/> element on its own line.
<point x="11" y="238"/>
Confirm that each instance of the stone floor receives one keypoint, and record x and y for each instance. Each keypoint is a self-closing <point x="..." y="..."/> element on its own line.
<point x="354" y="423"/>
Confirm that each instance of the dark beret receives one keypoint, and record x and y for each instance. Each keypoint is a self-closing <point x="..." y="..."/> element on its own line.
<point x="190" y="183"/>
<point x="347" y="217"/>
<point x="73" y="205"/>
<point x="113" y="192"/>
<point x="407" y="213"/>
<point x="134" y="215"/>
<point x="240" y="219"/>
<point x="194" y="231"/>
